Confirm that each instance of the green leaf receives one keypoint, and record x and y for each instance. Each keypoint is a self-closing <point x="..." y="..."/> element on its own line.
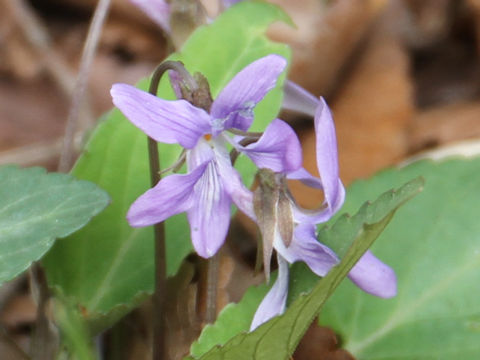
<point x="108" y="266"/>
<point x="278" y="338"/>
<point x="35" y="209"/>
<point x="433" y="245"/>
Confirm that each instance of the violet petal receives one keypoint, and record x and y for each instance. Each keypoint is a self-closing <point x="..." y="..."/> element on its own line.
<point x="157" y="10"/>
<point x="278" y="149"/>
<point x="233" y="107"/>
<point x="374" y="277"/>
<point x="172" y="195"/>
<point x="327" y="157"/>
<point x="228" y="3"/>
<point x="167" y="121"/>
<point x="305" y="247"/>
<point x="209" y="216"/>
<point x="240" y="195"/>
<point x="305" y="177"/>
<point x="298" y="99"/>
<point x="275" y="301"/>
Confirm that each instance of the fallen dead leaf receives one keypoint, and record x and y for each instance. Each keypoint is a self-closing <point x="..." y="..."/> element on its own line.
<point x="325" y="38"/>
<point x="445" y="124"/>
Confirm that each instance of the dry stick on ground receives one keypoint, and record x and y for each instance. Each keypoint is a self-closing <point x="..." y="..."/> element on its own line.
<point x="38" y="38"/>
<point x="44" y="341"/>
<point x="37" y="153"/>
<point x="94" y="32"/>
<point x="12" y="345"/>
<point x="9" y="289"/>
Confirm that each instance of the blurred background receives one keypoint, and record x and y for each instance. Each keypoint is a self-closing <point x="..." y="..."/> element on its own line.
<point x="401" y="76"/>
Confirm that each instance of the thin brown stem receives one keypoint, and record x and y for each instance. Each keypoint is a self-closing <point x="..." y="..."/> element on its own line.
<point x="177" y="165"/>
<point x="36" y="34"/>
<point x="244" y="142"/>
<point x="89" y="49"/>
<point x="159" y="297"/>
<point x="212" y="282"/>
<point x="159" y="320"/>
<point x="13" y="346"/>
<point x="44" y="341"/>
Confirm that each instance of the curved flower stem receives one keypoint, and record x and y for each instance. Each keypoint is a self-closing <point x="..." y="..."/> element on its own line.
<point x="99" y="17"/>
<point x="159" y="321"/>
<point x="175" y="66"/>
<point x="159" y="298"/>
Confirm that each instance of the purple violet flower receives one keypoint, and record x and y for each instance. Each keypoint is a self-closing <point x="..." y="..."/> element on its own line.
<point x="159" y="11"/>
<point x="370" y="274"/>
<point x="206" y="191"/>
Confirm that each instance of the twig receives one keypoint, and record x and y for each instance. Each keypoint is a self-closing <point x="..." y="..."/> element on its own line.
<point x="159" y="321"/>
<point x="13" y="346"/>
<point x="101" y="12"/>
<point x="37" y="36"/>
<point x="212" y="284"/>
<point x="8" y="290"/>
<point x="36" y="153"/>
<point x="43" y="343"/>
<point x="159" y="297"/>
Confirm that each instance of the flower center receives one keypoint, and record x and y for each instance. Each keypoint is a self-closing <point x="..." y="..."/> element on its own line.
<point x="207" y="137"/>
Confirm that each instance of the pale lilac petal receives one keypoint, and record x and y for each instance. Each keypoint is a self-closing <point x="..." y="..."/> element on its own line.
<point x="374" y="277"/>
<point x="298" y="99"/>
<point x="209" y="216"/>
<point x="157" y="10"/>
<point x="201" y="153"/>
<point x="327" y="164"/>
<point x="275" y="301"/>
<point x="305" y="247"/>
<point x="163" y="120"/>
<point x="240" y="195"/>
<point x="175" y="81"/>
<point x="327" y="157"/>
<point x="312" y="216"/>
<point x="278" y="149"/>
<point x="228" y="3"/>
<point x="172" y="195"/>
<point x="305" y="177"/>
<point x="233" y="107"/>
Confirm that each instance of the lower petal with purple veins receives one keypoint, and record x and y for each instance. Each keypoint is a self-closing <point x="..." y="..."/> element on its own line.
<point x="241" y="196"/>
<point x="209" y="217"/>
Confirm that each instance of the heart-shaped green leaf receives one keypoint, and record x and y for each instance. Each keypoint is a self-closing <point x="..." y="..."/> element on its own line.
<point x="35" y="209"/>
<point x="434" y="246"/>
